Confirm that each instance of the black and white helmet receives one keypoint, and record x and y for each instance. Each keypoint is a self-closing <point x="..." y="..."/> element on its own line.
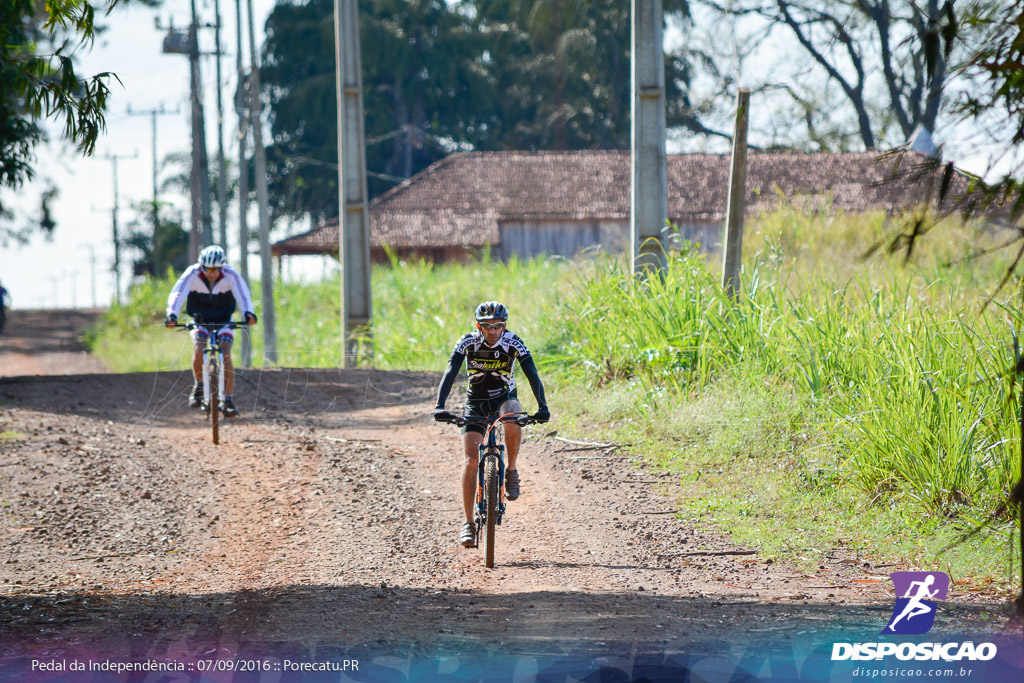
<point x="491" y="310"/>
<point x="212" y="257"/>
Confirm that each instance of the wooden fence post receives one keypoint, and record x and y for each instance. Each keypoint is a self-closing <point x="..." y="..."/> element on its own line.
<point x="732" y="247"/>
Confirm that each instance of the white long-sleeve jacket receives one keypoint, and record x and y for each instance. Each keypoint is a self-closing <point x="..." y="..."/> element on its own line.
<point x="209" y="302"/>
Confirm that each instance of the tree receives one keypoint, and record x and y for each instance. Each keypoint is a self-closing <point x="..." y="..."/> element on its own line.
<point x="423" y="94"/>
<point x="38" y="41"/>
<point x="563" y="70"/>
<point x="882" y="59"/>
<point x="440" y="77"/>
<point x="994" y="100"/>
<point x="993" y="97"/>
<point x="171" y="241"/>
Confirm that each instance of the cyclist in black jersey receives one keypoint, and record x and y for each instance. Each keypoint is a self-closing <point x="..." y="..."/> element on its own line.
<point x="490" y="354"/>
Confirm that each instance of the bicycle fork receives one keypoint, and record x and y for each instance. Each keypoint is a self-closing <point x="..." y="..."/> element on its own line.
<point x="214" y="357"/>
<point x="481" y="506"/>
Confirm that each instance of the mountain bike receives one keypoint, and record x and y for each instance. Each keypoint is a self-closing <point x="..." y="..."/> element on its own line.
<point x="490" y="490"/>
<point x="213" y="378"/>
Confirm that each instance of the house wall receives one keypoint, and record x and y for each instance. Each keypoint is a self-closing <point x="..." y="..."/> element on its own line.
<point x="709" y="235"/>
<point x="435" y="254"/>
<point x="526" y="239"/>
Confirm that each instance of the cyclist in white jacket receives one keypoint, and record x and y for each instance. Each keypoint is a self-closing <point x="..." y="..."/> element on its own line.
<point x="210" y="291"/>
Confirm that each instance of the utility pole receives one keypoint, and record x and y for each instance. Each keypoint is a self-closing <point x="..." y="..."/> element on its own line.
<point x="222" y="183"/>
<point x="201" y="163"/>
<point x="266" y="265"/>
<point x="242" y="110"/>
<point x="92" y="272"/>
<point x="354" y="218"/>
<point x="73" y="277"/>
<point x="648" y="205"/>
<point x="732" y="246"/>
<point x="153" y="114"/>
<point x="179" y="42"/>
<point x="117" y="237"/>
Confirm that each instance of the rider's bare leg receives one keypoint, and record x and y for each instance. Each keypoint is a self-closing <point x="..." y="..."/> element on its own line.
<point x="513" y="433"/>
<point x="229" y="369"/>
<point x="513" y="437"/>
<point x="471" y="444"/>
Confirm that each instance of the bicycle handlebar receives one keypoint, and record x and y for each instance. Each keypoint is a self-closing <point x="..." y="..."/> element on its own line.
<point x="191" y="326"/>
<point x="463" y="420"/>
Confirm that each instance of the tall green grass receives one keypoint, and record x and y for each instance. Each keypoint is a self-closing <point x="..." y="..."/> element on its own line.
<point x="421" y="308"/>
<point x="420" y="311"/>
<point x="915" y="394"/>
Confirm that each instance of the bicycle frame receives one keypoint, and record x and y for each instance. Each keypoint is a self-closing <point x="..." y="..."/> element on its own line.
<point x="492" y="447"/>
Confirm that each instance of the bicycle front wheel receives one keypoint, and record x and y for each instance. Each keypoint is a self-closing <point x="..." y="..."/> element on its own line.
<point x="491" y="505"/>
<point x="214" y="403"/>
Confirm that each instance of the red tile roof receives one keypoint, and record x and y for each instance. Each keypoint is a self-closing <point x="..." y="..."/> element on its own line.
<point x="461" y="199"/>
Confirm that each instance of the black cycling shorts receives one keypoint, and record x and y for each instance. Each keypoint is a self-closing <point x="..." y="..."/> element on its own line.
<point x="489" y="407"/>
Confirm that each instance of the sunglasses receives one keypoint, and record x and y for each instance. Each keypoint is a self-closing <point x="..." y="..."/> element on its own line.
<point x="215" y="269"/>
<point x="491" y="326"/>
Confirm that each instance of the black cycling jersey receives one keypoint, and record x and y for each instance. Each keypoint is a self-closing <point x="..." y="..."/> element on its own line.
<point x="490" y="368"/>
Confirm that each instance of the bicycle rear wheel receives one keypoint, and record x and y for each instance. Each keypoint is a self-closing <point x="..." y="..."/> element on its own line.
<point x="491" y="505"/>
<point x="214" y="403"/>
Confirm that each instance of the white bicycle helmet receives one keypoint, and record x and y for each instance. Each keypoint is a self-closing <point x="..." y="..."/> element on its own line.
<point x="212" y="257"/>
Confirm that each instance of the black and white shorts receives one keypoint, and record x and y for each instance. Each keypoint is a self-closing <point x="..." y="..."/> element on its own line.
<point x="483" y="408"/>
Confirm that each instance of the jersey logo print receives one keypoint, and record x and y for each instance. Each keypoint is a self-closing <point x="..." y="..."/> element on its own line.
<point x="487" y="364"/>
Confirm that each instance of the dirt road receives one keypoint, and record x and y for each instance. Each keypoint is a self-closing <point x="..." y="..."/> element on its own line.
<point x="46" y="342"/>
<point x="328" y="518"/>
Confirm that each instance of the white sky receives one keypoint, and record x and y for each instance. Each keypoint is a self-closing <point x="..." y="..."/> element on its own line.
<point x="58" y="273"/>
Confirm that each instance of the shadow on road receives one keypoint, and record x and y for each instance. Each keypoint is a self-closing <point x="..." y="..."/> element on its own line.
<point x="319" y="397"/>
<point x="429" y="627"/>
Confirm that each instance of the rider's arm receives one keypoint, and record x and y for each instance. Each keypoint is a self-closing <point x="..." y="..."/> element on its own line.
<point x="179" y="292"/>
<point x="530" y="370"/>
<point x="450" y="373"/>
<point x="239" y="290"/>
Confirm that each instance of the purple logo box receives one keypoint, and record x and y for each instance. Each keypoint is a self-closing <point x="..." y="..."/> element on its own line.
<point x="916" y="593"/>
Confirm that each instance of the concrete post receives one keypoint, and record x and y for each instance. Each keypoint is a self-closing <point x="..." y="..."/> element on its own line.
<point x="649" y="188"/>
<point x="222" y="172"/>
<point x="354" y="218"/>
<point x="269" y="317"/>
<point x="242" y="110"/>
<point x="200" y="160"/>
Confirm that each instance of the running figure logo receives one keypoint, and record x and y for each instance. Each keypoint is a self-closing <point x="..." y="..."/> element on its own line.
<point x="914" y="612"/>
